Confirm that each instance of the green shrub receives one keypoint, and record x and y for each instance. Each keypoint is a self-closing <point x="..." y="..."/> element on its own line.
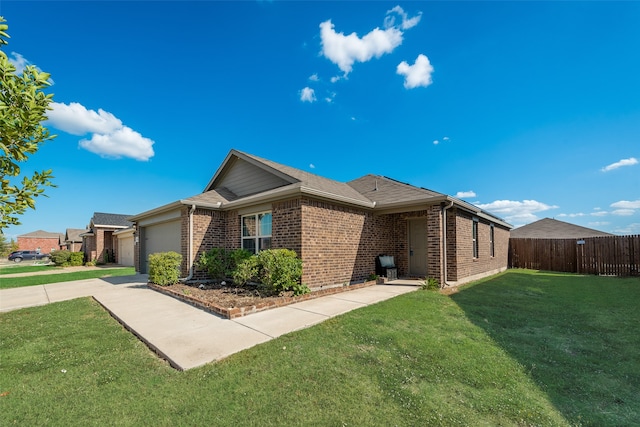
<point x="430" y="284"/>
<point x="220" y="263"/>
<point x="246" y="271"/>
<point x="280" y="269"/>
<point x="164" y="268"/>
<point x="61" y="258"/>
<point x="76" y="258"/>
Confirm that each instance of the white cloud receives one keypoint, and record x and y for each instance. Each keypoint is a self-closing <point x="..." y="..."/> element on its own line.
<point x="77" y="120"/>
<point x="571" y="215"/>
<point x="623" y="212"/>
<point x="598" y="224"/>
<point x="314" y="77"/>
<point x="463" y="194"/>
<point x="633" y="228"/>
<point x="624" y="162"/>
<point x="110" y="137"/>
<point x="516" y="212"/>
<point x="344" y="51"/>
<point x="599" y="213"/>
<point x="124" y="142"/>
<point x="446" y="138"/>
<point x="416" y="75"/>
<point x="436" y="142"/>
<point x="307" y="95"/>
<point x="626" y="204"/>
<point x="390" y="19"/>
<point x="312" y="166"/>
<point x="18" y="61"/>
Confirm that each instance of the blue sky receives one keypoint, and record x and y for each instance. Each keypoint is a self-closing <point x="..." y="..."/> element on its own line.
<point x="527" y="109"/>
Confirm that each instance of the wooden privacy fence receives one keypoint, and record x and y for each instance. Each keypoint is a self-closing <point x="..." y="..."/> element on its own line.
<point x="609" y="255"/>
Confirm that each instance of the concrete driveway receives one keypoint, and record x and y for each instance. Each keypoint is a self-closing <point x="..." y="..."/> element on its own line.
<point x="186" y="336"/>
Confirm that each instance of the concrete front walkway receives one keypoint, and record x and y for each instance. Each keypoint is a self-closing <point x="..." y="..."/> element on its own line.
<point x="186" y="336"/>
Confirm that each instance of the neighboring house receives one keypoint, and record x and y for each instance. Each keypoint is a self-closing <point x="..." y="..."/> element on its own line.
<point x="548" y="228"/>
<point x="107" y="238"/>
<point x="73" y="240"/>
<point x="40" y="241"/>
<point x="336" y="228"/>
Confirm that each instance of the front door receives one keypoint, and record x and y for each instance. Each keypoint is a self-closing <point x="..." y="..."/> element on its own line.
<point x="418" y="247"/>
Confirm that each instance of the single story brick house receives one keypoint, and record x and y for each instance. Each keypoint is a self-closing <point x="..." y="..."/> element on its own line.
<point x="40" y="241"/>
<point x="73" y="239"/>
<point x="336" y="228"/>
<point x="109" y="239"/>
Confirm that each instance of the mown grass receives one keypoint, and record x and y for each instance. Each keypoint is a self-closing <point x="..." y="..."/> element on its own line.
<point x="17" y="282"/>
<point x="20" y="268"/>
<point x="576" y="336"/>
<point x="418" y="359"/>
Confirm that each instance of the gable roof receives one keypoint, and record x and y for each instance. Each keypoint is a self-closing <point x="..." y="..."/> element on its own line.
<point x="388" y="192"/>
<point x="41" y="234"/>
<point x="110" y="220"/>
<point x="244" y="180"/>
<point x="242" y="175"/>
<point x="549" y="228"/>
<point x="73" y="235"/>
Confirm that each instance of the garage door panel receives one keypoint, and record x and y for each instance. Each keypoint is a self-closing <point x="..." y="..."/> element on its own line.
<point x="163" y="237"/>
<point x="125" y="250"/>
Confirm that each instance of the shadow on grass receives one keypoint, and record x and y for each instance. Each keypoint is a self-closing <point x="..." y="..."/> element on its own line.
<point x="576" y="335"/>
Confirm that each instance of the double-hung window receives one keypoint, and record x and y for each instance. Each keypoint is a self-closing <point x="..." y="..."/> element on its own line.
<point x="256" y="232"/>
<point x="474" y="238"/>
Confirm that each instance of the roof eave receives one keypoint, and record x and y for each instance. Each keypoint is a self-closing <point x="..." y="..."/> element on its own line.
<point x="295" y="190"/>
<point x="156" y="211"/>
<point x="416" y="203"/>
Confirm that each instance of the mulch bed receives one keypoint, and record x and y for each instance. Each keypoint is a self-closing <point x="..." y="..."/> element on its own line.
<point x="232" y="302"/>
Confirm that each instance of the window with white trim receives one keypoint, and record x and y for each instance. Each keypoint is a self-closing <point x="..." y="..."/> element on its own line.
<point x="256" y="232"/>
<point x="474" y="238"/>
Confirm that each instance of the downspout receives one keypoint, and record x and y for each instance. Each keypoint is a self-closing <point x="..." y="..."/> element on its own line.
<point x="190" y="257"/>
<point x="444" y="242"/>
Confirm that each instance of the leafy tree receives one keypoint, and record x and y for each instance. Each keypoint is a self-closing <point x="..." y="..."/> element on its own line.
<point x="23" y="106"/>
<point x="4" y="246"/>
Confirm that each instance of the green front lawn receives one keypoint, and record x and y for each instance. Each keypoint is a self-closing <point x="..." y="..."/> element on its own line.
<point x="21" y="268"/>
<point x="520" y="349"/>
<point x="17" y="282"/>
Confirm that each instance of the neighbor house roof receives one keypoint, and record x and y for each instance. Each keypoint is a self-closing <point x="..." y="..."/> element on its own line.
<point x="110" y="220"/>
<point x="41" y="234"/>
<point x="73" y="234"/>
<point x="244" y="179"/>
<point x="549" y="228"/>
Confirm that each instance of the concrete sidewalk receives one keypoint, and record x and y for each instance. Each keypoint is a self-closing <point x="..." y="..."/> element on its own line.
<point x="186" y="336"/>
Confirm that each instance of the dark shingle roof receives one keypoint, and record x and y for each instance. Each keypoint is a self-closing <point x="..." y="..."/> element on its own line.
<point x="549" y="228"/>
<point x="110" y="220"/>
<point x="386" y="191"/>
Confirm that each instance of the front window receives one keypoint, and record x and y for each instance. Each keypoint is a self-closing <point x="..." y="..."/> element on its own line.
<point x="256" y="232"/>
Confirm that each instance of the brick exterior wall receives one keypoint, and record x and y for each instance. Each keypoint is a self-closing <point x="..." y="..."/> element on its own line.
<point x="465" y="265"/>
<point x="209" y="231"/>
<point x="286" y="227"/>
<point x="338" y="244"/>
<point x="34" y="243"/>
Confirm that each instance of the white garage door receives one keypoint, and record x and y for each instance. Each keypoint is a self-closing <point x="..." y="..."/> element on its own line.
<point x="163" y="237"/>
<point x="125" y="250"/>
